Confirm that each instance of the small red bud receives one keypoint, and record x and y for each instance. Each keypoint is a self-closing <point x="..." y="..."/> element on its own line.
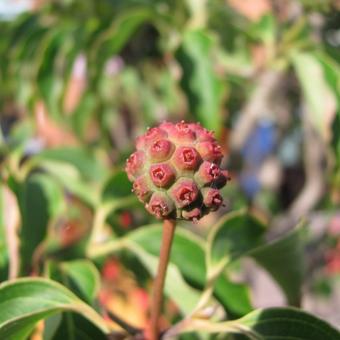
<point x="212" y="198"/>
<point x="141" y="188"/>
<point x="161" y="150"/>
<point x="160" y="205"/>
<point x="166" y="126"/>
<point x="149" y="137"/>
<point x="135" y="164"/>
<point x="181" y="132"/>
<point x="184" y="192"/>
<point x="210" y="151"/>
<point x="207" y="173"/>
<point x="162" y="175"/>
<point x="186" y="158"/>
<point x="192" y="215"/>
<point x="202" y="134"/>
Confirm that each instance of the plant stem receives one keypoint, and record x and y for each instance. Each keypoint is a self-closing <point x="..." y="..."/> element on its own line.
<point x="157" y="298"/>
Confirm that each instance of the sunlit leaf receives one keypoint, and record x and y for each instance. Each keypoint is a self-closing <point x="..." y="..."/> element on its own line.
<point x="319" y="97"/>
<point x="200" y="81"/>
<point x="85" y="162"/>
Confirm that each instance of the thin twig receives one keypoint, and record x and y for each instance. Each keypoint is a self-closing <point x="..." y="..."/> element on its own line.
<point x="168" y="234"/>
<point x="123" y="324"/>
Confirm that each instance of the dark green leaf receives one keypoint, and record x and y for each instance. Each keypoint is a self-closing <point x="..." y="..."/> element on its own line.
<point x="288" y="323"/>
<point x="233" y="236"/>
<point x="51" y="326"/>
<point x="117" y="186"/>
<point x="24" y="302"/>
<point x="40" y="200"/>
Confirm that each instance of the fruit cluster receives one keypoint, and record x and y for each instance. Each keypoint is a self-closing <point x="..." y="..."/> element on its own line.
<point x="175" y="171"/>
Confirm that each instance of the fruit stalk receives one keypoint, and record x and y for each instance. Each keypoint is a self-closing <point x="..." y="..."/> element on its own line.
<point x="157" y="298"/>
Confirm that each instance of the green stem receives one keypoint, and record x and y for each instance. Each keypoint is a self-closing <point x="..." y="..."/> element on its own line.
<point x="212" y="275"/>
<point x="100" y="217"/>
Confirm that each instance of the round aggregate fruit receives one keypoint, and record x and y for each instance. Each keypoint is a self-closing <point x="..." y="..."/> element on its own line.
<point x="176" y="171"/>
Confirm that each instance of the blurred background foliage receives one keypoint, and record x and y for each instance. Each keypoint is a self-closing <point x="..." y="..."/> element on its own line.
<point x="79" y="80"/>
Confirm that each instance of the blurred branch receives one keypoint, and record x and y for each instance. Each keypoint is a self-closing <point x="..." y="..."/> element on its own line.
<point x="315" y="154"/>
<point x="259" y="105"/>
<point x="314" y="160"/>
<point x="123" y="324"/>
<point x="12" y="220"/>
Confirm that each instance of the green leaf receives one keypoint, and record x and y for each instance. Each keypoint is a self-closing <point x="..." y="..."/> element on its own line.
<point x="85" y="276"/>
<point x="82" y="114"/>
<point x="319" y="97"/>
<point x="201" y="83"/>
<point x="24" y="302"/>
<point x="40" y="200"/>
<point x="48" y="80"/>
<point x="234" y="296"/>
<point x="235" y="235"/>
<point x="288" y="323"/>
<point x="284" y="260"/>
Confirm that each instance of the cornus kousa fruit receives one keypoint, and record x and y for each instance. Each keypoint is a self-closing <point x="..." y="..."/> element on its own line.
<point x="176" y="171"/>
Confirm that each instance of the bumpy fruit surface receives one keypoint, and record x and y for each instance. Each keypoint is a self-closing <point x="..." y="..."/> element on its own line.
<point x="176" y="171"/>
